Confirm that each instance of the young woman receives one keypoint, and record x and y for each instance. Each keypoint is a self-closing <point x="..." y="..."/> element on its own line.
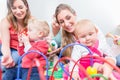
<point x="64" y="20"/>
<point x="13" y="24"/>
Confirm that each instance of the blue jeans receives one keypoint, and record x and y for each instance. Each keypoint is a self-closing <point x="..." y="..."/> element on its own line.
<point x="34" y="74"/>
<point x="118" y="60"/>
<point x="11" y="74"/>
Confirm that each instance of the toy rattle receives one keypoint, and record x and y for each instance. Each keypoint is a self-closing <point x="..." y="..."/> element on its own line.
<point x="90" y="70"/>
<point x="67" y="58"/>
<point x="37" y="62"/>
<point x="53" y="46"/>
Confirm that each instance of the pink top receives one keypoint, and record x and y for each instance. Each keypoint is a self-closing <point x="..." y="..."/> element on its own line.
<point x="86" y="61"/>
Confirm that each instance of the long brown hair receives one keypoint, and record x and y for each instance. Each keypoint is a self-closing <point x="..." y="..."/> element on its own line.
<point x="12" y="19"/>
<point x="67" y="37"/>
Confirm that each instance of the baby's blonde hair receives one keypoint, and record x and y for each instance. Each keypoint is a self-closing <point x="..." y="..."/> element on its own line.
<point x="83" y="23"/>
<point x="40" y="26"/>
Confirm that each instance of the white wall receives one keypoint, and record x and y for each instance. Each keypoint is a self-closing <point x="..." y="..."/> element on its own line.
<point x="105" y="13"/>
<point x="3" y="9"/>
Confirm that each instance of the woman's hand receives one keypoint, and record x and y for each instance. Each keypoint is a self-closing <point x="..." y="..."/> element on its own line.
<point x="7" y="61"/>
<point x="55" y="26"/>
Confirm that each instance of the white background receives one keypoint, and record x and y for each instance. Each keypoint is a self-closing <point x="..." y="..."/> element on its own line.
<point x="105" y="13"/>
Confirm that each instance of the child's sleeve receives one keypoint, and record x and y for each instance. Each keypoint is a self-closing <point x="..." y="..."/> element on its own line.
<point x="77" y="52"/>
<point x="27" y="47"/>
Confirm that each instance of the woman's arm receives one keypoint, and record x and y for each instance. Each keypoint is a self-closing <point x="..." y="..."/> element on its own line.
<point x="5" y="37"/>
<point x="7" y="60"/>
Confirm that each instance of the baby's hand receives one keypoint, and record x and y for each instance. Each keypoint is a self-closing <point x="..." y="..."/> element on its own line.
<point x="20" y="40"/>
<point x="25" y="38"/>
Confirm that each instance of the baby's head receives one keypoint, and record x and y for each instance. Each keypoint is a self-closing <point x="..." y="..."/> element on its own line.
<point x="37" y="29"/>
<point x="86" y="32"/>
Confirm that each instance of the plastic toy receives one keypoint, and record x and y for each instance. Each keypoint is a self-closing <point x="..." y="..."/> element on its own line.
<point x="72" y="44"/>
<point x="104" y="60"/>
<point x="37" y="63"/>
<point x="90" y="70"/>
<point x="58" y="74"/>
<point x="53" y="46"/>
<point x="67" y="58"/>
<point x="91" y="58"/>
<point x="49" y="49"/>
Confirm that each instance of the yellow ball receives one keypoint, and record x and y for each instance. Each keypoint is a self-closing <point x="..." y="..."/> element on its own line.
<point x="90" y="70"/>
<point x="49" y="50"/>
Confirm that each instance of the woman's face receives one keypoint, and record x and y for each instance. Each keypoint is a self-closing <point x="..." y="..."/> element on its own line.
<point x="67" y="19"/>
<point x="19" y="9"/>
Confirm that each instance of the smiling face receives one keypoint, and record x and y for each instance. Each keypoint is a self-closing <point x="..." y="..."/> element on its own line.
<point x="67" y="19"/>
<point x="19" y="9"/>
<point x="87" y="33"/>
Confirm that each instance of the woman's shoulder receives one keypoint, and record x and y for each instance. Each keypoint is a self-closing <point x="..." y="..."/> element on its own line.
<point x="4" y="22"/>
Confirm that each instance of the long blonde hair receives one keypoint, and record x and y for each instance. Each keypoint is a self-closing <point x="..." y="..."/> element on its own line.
<point x="12" y="19"/>
<point x="67" y="37"/>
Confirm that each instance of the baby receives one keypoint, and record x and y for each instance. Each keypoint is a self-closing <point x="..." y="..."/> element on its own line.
<point x="86" y="32"/>
<point x="35" y="39"/>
